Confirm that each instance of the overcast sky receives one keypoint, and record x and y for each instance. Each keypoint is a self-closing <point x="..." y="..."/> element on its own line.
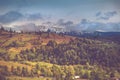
<point x="102" y="11"/>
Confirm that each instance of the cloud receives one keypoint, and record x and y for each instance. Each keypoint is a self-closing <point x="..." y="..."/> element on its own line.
<point x="26" y="27"/>
<point x="86" y="25"/>
<point x="106" y="15"/>
<point x="61" y="22"/>
<point x="98" y="13"/>
<point x="83" y="21"/>
<point x="110" y="14"/>
<point x="13" y="16"/>
<point x="34" y="16"/>
<point x="10" y="17"/>
<point x="67" y="25"/>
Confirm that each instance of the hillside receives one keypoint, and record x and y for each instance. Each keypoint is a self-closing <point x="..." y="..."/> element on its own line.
<point x="48" y="55"/>
<point x="15" y="42"/>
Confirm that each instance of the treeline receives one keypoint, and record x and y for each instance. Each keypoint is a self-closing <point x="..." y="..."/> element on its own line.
<point x="78" y="51"/>
<point x="58" y="72"/>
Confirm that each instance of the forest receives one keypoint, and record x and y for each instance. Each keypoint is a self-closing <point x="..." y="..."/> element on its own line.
<point x="52" y="56"/>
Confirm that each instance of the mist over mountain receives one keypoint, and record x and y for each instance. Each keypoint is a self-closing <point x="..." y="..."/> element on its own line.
<point x="91" y="26"/>
<point x="66" y="26"/>
<point x="83" y="16"/>
<point x="33" y="22"/>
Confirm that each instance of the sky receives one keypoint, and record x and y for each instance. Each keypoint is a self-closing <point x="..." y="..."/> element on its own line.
<point x="75" y="15"/>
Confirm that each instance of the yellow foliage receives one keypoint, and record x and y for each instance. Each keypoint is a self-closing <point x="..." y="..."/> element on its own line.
<point x="15" y="64"/>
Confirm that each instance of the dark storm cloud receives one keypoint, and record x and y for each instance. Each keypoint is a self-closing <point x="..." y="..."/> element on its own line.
<point x="61" y="22"/>
<point x="10" y="17"/>
<point x="59" y="9"/>
<point x="68" y="25"/>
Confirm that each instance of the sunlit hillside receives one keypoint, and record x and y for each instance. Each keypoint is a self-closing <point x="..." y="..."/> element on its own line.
<point x="50" y="55"/>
